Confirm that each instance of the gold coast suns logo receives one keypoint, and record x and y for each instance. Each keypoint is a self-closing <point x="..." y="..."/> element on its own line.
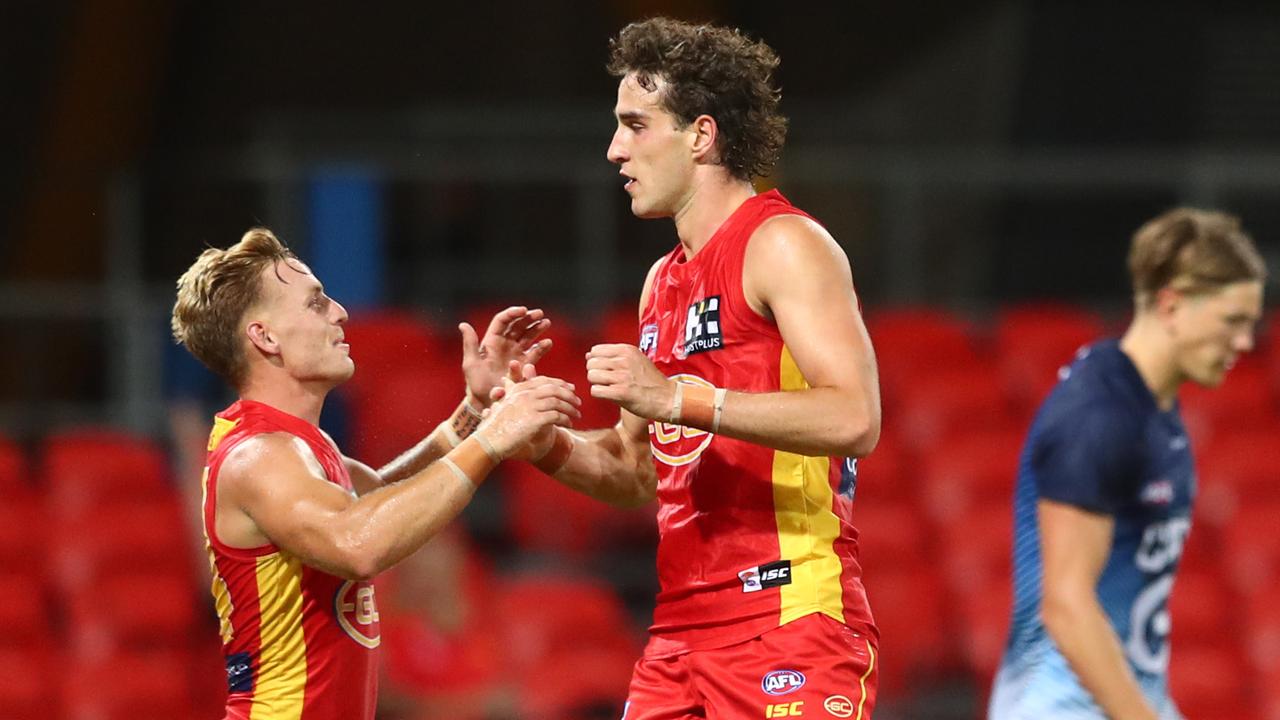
<point x="357" y="613"/>
<point x="675" y="444"/>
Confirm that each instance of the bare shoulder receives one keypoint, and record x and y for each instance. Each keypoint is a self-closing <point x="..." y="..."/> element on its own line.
<point x="792" y="238"/>
<point x="647" y="291"/>
<point x="266" y="458"/>
<point x="788" y="253"/>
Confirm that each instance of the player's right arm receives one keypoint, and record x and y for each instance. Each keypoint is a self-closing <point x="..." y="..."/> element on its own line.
<point x="1085" y="464"/>
<point x="614" y="464"/>
<point x="1075" y="544"/>
<point x="271" y="489"/>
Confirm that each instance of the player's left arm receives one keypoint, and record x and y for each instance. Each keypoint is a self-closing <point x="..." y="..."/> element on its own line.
<point x="796" y="275"/>
<point x="512" y="336"/>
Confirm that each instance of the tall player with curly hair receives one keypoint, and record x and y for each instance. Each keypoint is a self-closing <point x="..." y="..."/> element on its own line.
<point x="751" y="392"/>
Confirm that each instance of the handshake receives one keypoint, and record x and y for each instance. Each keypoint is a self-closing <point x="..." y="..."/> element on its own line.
<point x="524" y="408"/>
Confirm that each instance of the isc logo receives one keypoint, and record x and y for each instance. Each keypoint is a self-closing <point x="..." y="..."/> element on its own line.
<point x="764" y="576"/>
<point x="774" y="574"/>
<point x="782" y="682"/>
<point x="795" y="709"/>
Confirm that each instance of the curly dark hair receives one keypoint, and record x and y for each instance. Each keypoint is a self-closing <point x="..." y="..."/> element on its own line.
<point x="710" y="70"/>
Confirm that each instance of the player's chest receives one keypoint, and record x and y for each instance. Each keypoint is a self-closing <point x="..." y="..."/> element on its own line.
<point x="1167" y="480"/>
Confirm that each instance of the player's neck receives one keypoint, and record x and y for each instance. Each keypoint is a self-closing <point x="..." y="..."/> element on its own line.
<point x="302" y="400"/>
<point x="712" y="200"/>
<point x="1145" y="344"/>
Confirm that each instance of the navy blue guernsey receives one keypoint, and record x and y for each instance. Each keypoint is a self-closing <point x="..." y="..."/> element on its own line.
<point x="1099" y="442"/>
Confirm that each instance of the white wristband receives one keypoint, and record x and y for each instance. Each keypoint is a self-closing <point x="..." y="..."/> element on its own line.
<point x="449" y="435"/>
<point x="721" y="394"/>
<point x="458" y="472"/>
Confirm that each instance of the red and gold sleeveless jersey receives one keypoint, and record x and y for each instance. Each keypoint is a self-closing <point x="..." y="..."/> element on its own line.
<point x="751" y="538"/>
<point x="299" y="643"/>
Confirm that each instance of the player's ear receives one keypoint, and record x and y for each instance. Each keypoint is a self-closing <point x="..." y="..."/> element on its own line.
<point x="262" y="337"/>
<point x="1166" y="302"/>
<point x="703" y="133"/>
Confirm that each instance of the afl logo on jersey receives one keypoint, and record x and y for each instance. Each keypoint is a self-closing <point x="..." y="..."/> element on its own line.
<point x="649" y="339"/>
<point x="357" y="613"/>
<point x="675" y="444"/>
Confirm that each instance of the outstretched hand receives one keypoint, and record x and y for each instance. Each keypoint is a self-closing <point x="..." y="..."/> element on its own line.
<point x="512" y="337"/>
<point x="528" y="408"/>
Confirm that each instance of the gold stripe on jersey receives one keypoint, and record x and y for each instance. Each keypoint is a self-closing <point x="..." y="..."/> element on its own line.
<point x="221" y="426"/>
<point x="282" y="668"/>
<point x="807" y="527"/>
<point x="221" y="596"/>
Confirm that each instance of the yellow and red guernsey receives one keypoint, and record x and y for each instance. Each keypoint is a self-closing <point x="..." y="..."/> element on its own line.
<point x="299" y="643"/>
<point x="751" y="538"/>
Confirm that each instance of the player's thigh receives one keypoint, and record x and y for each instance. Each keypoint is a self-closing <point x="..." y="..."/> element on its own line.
<point x="661" y="690"/>
<point x="814" y="667"/>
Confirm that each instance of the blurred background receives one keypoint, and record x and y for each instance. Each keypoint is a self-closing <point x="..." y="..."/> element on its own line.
<point x="983" y="164"/>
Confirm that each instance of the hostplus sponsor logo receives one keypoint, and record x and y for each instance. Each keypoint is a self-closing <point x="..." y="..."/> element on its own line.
<point x="702" y="330"/>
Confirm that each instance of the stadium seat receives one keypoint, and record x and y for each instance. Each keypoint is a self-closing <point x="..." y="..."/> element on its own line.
<point x="207" y="673"/>
<point x="915" y="342"/>
<point x="1202" y="550"/>
<point x="29" y="684"/>
<point x="976" y="548"/>
<point x="984" y="628"/>
<point x="392" y="415"/>
<point x="1242" y="403"/>
<point x="24" y="613"/>
<point x="954" y="400"/>
<point x="385" y="341"/>
<point x="132" y="611"/>
<point x="1251" y="547"/>
<point x="890" y="535"/>
<point x="125" y="686"/>
<point x="908" y="604"/>
<point x="1201" y="608"/>
<point x="1210" y="680"/>
<point x="149" y="533"/>
<point x="544" y="516"/>
<point x="1240" y="469"/>
<point x="619" y="324"/>
<point x="23" y="536"/>
<point x="14" y="475"/>
<point x="598" y="687"/>
<point x="974" y="469"/>
<point x="882" y="475"/>
<point x="1261" y="632"/>
<point x="88" y="468"/>
<point x="1034" y="341"/>
<point x="542" y="615"/>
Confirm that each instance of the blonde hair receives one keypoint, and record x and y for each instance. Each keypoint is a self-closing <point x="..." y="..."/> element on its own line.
<point x="213" y="296"/>
<point x="1193" y="251"/>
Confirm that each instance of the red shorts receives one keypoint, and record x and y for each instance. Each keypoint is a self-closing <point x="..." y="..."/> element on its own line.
<point x="814" y="667"/>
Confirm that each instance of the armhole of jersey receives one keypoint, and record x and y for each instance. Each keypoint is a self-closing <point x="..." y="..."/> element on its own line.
<point x="737" y="264"/>
<point x="647" y="311"/>
<point x="209" y="511"/>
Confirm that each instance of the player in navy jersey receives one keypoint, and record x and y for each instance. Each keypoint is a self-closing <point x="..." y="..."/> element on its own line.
<point x="1106" y="482"/>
